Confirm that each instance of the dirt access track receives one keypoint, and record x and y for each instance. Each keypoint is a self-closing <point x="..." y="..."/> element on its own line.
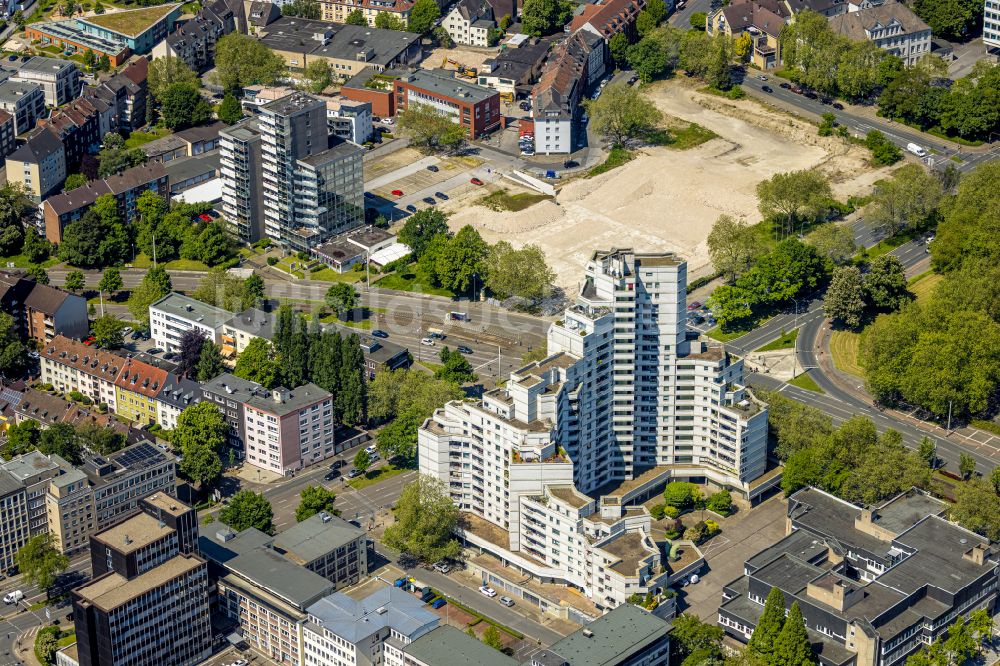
<point x="666" y="199"/>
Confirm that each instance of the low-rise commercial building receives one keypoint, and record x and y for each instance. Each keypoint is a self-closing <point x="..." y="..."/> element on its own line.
<point x="874" y="584"/>
<point x="175" y="314"/>
<point x="472" y="106"/>
<point x="60" y="79"/>
<point x="327" y="545"/>
<point x="191" y="172"/>
<point x="375" y="88"/>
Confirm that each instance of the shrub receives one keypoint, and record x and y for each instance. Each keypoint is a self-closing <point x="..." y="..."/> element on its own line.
<point x="76" y="396"/>
<point x="657" y="511"/>
<point x="884" y="151"/>
<point x="720" y="502"/>
<point x="671" y="512"/>
<point x="271" y="261"/>
<point x="681" y="495"/>
<point x="712" y="527"/>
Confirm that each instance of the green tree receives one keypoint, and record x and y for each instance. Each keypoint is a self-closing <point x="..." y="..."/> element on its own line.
<point x="428" y="127"/>
<point x="98" y="439"/>
<point x="307" y="9"/>
<point x="362" y="461"/>
<point x="733" y="246"/>
<point x="36" y="248"/>
<point x="720" y="502"/>
<point x="73" y="181"/>
<point x="845" y="297"/>
<point x="107" y="330"/>
<point x="248" y="509"/>
<point x="423" y="14"/>
<point x="398" y="439"/>
<point x="622" y="113"/>
<point x="200" y="435"/>
<point x="356" y="17"/>
<point x="210" y="363"/>
<point x="523" y="273"/>
<point x="421" y="228"/>
<point x="220" y="289"/>
<point x="99" y="238"/>
<point x="681" y="495"/>
<point x="795" y="195"/>
<point x="74" y="281"/>
<point x="37" y="272"/>
<point x="813" y="51"/>
<point x="182" y="106"/>
<point x="314" y="500"/>
<point x="928" y="452"/>
<point x="966" y="466"/>
<point x="150" y="290"/>
<point x="253" y="292"/>
<point x="950" y="19"/>
<point x="317" y="72"/>
<point x="456" y="367"/>
<point x="13" y="206"/>
<point x="884" y="151"/>
<point x="168" y="71"/>
<point x="463" y="257"/>
<point x="907" y="200"/>
<point x="886" y="285"/>
<point x="649" y="58"/>
<point x="657" y="9"/>
<point x="21" y="438"/>
<point x="12" y="350"/>
<point x="47" y="639"/>
<point x="540" y="17"/>
<point x="792" y="646"/>
<point x="834" y="242"/>
<point x="644" y="23"/>
<point x="764" y="643"/>
<point x="698" y="20"/>
<point x="389" y="21"/>
<point x="960" y="644"/>
<point x="241" y="60"/>
<point x="977" y="508"/>
<point x="492" y="638"/>
<point x="342" y="298"/>
<point x="61" y="439"/>
<point x="425" y="521"/>
<point x="392" y="393"/>
<point x="618" y="46"/>
<point x="256" y="363"/>
<point x="115" y="158"/>
<point x="40" y="562"/>
<point x="858" y="69"/>
<point x="691" y="636"/>
<point x="230" y="111"/>
<point x="111" y="282"/>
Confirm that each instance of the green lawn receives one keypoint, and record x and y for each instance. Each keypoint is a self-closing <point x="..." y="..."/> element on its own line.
<point x="786" y="341"/>
<point x="923" y="285"/>
<point x="685" y="138"/>
<point x="374" y="476"/>
<point x="502" y="200"/>
<point x="285" y="264"/>
<point x="728" y="336"/>
<point x="132" y="22"/>
<point x="68" y="638"/>
<point x="804" y="381"/>
<point x="844" y="346"/>
<point x="327" y="274"/>
<point x="20" y="261"/>
<point x="137" y="139"/>
<point x="617" y="157"/>
<point x="408" y="281"/>
<point x="185" y="265"/>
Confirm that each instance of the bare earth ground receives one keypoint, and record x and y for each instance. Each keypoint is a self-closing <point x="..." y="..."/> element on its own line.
<point x="667" y="200"/>
<point x="464" y="55"/>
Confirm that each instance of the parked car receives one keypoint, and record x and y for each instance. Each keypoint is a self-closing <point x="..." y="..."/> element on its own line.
<point x="379" y="333"/>
<point x="785" y="85"/>
<point x="810" y="95"/>
<point x="370" y="449"/>
<point x="442" y="567"/>
<point x="155" y="350"/>
<point x="694" y="305"/>
<point x="429" y="201"/>
<point x="762" y="77"/>
<point x="507" y="601"/>
<point x="137" y="335"/>
<point x="331" y="475"/>
<point x="441" y="195"/>
<point x="838" y="106"/>
<point x="427" y="342"/>
<point x="437" y="603"/>
<point x="633" y="79"/>
<point x="826" y="100"/>
<point x="767" y="89"/>
<point x="524" y="106"/>
<point x="170" y="356"/>
<point x="126" y="331"/>
<point x="433" y="168"/>
<point x="397" y="193"/>
<point x="475" y="181"/>
<point x="337" y="464"/>
<point x="411" y="208"/>
<point x="462" y="349"/>
<point x="796" y="90"/>
<point x="488" y="591"/>
<point x="353" y="474"/>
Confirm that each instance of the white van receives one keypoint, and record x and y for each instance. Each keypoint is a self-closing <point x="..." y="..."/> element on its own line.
<point x="13" y="597"/>
<point x="916" y="150"/>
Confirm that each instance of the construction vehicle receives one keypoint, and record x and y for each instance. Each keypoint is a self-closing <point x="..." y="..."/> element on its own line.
<point x="507" y="98"/>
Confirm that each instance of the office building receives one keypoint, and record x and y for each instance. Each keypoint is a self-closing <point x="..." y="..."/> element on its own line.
<point x="34" y="470"/>
<point x="468" y="104"/>
<point x="14" y="524"/>
<point x="874" y="584"/>
<point x="69" y="504"/>
<point x="25" y="100"/>
<point x="287" y="430"/>
<point x="342" y="631"/>
<point x="60" y="79"/>
<point x="313" y="188"/>
<point x="39" y="164"/>
<point x="121" y="480"/>
<point x="243" y="196"/>
<point x="327" y="545"/>
<point x="624" y="403"/>
<point x="147" y="604"/>
<point x="175" y="314"/>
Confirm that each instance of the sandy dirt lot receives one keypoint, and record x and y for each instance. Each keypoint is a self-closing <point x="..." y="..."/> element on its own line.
<point x="667" y="200"/>
<point x="465" y="55"/>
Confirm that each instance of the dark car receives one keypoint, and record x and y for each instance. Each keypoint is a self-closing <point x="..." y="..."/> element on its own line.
<point x="433" y="168"/>
<point x="767" y="89"/>
<point x="12" y="58"/>
<point x="354" y="522"/>
<point x="441" y="195"/>
<point x="170" y="356"/>
<point x="838" y="106"/>
<point x="570" y="164"/>
<point x="331" y="475"/>
<point x="429" y="201"/>
<point x="411" y="208"/>
<point x="354" y="473"/>
<point x="785" y="85"/>
<point x="337" y="464"/>
<point x="462" y="349"/>
<point x="810" y="95"/>
<point x="524" y="106"/>
<point x="632" y="79"/>
<point x="825" y="100"/>
<point x="137" y="335"/>
<point x="379" y="333"/>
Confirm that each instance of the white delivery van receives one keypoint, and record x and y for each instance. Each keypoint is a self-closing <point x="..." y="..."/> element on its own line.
<point x="13" y="597"/>
<point x="916" y="150"/>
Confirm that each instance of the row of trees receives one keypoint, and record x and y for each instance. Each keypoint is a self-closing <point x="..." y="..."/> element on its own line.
<point x="461" y="261"/>
<point x="63" y="439"/>
<point x="944" y="354"/>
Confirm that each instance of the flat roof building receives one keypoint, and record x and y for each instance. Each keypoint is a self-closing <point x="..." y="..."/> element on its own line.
<point x="327" y="545"/>
<point x="175" y="314"/>
<point x="60" y="79"/>
<point x="473" y="106"/>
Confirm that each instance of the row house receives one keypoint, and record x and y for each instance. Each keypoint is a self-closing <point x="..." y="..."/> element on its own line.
<point x="47" y="409"/>
<point x="78" y="127"/>
<point x="69" y="365"/>
<point x="136" y="389"/>
<point x="42" y="312"/>
<point x="608" y="17"/>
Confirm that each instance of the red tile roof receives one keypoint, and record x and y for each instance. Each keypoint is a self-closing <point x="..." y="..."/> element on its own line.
<point x="610" y="16"/>
<point x="141" y="378"/>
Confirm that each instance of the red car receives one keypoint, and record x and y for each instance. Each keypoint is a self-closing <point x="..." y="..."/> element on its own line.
<point x="89" y="341"/>
<point x="476" y="181"/>
<point x="205" y="217"/>
<point x="397" y="193"/>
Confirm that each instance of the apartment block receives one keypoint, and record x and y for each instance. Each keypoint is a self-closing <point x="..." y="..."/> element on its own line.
<point x="891" y="25"/>
<point x="991" y="24"/>
<point x="874" y="584"/>
<point x="342" y="630"/>
<point x="624" y="403"/>
<point x="78" y="127"/>
<point x="572" y="67"/>
<point x="194" y="41"/>
<point x="62" y="209"/>
<point x="313" y="186"/>
<point x="243" y="196"/>
<point x="148" y="603"/>
<point x="338" y="10"/>
<point x="471" y="21"/>
<point x="327" y="545"/>
<point x="41" y="312"/>
<point x="229" y="393"/>
<point x="25" y="100"/>
<point x="287" y="430"/>
<point x="136" y="390"/>
<point x="468" y="104"/>
<point x="245" y="327"/>
<point x="39" y="164"/>
<point x="60" y="79"/>
<point x="762" y="20"/>
<point x="175" y="314"/>
<point x="69" y="365"/>
<point x="7" y="141"/>
<point x="178" y="394"/>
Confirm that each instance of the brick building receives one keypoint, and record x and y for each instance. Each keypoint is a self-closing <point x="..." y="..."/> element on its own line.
<point x="470" y="105"/>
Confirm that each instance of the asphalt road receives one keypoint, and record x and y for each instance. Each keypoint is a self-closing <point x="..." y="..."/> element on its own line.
<point x="860" y="125"/>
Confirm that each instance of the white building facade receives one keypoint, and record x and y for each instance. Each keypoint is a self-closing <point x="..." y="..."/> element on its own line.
<point x="623" y="396"/>
<point x="991" y="24"/>
<point x="289" y="429"/>
<point x="175" y="314"/>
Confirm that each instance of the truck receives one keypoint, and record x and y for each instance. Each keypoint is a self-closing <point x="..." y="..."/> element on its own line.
<point x="916" y="150"/>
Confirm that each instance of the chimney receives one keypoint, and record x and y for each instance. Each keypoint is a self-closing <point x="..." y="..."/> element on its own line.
<point x="127" y="540"/>
<point x="976" y="554"/>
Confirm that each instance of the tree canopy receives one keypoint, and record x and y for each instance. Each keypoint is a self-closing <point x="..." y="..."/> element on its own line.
<point x="241" y="60"/>
<point x="40" y="562"/>
<point x="428" y="127"/>
<point x="167" y="71"/>
<point x="248" y="509"/>
<point x="314" y="500"/>
<point x="622" y="113"/>
<point x="425" y="520"/>
<point x="200" y="435"/>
